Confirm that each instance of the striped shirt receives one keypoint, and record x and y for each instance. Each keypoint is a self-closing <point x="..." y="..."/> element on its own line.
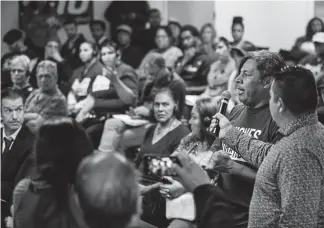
<point x="289" y="187"/>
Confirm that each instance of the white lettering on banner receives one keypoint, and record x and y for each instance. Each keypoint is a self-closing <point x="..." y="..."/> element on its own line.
<point x="249" y="131"/>
<point x="72" y="7"/>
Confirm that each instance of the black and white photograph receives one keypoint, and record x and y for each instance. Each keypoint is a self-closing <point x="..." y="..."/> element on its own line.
<point x="162" y="114"/>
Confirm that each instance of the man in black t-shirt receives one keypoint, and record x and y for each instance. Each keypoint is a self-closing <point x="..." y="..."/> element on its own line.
<point x="252" y="117"/>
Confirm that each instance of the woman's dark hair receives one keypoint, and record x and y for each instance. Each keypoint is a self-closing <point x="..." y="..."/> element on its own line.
<point x="61" y="144"/>
<point x="309" y="32"/>
<point x="206" y="109"/>
<point x="238" y="21"/>
<point x="166" y="29"/>
<point x="168" y="32"/>
<point x="93" y="46"/>
<point x="225" y="41"/>
<point x="192" y="29"/>
<point x="108" y="43"/>
<point x="163" y="78"/>
<point x="174" y="96"/>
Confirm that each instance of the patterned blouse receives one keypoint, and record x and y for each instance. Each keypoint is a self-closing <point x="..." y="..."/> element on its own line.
<point x="189" y="145"/>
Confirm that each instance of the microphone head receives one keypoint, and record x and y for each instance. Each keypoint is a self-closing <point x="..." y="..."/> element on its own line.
<point x="226" y="95"/>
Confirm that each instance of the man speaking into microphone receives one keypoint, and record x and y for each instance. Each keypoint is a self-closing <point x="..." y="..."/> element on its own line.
<point x="252" y="117"/>
<point x="289" y="186"/>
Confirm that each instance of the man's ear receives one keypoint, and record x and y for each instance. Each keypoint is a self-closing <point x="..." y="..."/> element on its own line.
<point x="281" y="105"/>
<point x="266" y="82"/>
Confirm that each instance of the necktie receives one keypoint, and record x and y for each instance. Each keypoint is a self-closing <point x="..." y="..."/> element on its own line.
<point x="8" y="142"/>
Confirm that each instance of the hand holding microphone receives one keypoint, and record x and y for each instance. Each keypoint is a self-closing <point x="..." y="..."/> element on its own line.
<point x="220" y="124"/>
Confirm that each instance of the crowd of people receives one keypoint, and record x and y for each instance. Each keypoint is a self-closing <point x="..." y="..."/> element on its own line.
<point x="80" y="119"/>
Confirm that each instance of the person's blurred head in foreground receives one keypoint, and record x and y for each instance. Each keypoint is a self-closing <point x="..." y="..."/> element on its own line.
<point x="61" y="144"/>
<point x="108" y="191"/>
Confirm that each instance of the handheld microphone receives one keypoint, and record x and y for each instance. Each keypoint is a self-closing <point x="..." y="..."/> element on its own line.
<point x="226" y="96"/>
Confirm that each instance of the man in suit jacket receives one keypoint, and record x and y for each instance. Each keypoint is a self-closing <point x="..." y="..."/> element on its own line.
<point x="17" y="143"/>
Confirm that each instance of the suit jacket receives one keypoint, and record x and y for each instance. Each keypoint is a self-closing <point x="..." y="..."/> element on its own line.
<point x="12" y="161"/>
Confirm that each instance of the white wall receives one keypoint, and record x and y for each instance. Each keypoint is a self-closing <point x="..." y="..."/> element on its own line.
<point x="274" y="24"/>
<point x="196" y="13"/>
<point x="9" y="20"/>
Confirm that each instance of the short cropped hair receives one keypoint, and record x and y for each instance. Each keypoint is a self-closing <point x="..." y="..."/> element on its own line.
<point x="268" y="63"/>
<point x="154" y="10"/>
<point x="49" y="66"/>
<point x="296" y="86"/>
<point x="192" y="29"/>
<point x="12" y="36"/>
<point x="10" y="93"/>
<point x="98" y="22"/>
<point x="24" y="60"/>
<point x="108" y="190"/>
<point x="69" y="20"/>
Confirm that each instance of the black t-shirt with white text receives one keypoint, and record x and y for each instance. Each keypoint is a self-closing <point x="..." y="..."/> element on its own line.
<point x="259" y="124"/>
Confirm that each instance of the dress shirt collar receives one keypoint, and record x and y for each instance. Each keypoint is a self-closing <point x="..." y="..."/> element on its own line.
<point x="13" y="136"/>
<point x="302" y="121"/>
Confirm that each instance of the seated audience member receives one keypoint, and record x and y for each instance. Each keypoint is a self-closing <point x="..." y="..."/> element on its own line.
<point x="17" y="143"/>
<point x="47" y="199"/>
<point x="116" y="205"/>
<point x="98" y="30"/>
<point x="52" y="52"/>
<point x="315" y="63"/>
<point x="130" y="54"/>
<point x="221" y="70"/>
<point x="83" y="77"/>
<point x="170" y="53"/>
<point x="253" y="117"/>
<point x="20" y="74"/>
<point x="161" y="139"/>
<point x="198" y="146"/>
<point x="208" y="37"/>
<point x="120" y="92"/>
<point x="70" y="50"/>
<point x="194" y="65"/>
<point x="293" y="167"/>
<point x="238" y="33"/>
<point x="117" y="135"/>
<point x="16" y="44"/>
<point x="304" y="44"/>
<point x="175" y="28"/>
<point x="146" y="38"/>
<point x="47" y="101"/>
